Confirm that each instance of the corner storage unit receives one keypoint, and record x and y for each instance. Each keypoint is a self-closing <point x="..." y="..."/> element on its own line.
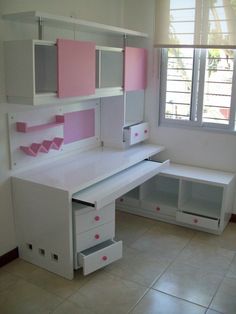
<point x="194" y="197"/>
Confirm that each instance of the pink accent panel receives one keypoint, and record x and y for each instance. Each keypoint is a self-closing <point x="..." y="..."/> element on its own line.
<point x="135" y="77"/>
<point x="79" y="125"/>
<point x="76" y="68"/>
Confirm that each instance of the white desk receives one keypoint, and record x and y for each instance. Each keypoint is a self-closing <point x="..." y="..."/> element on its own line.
<point x="43" y="206"/>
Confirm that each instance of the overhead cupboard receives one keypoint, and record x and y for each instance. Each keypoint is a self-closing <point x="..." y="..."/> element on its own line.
<point x="39" y="72"/>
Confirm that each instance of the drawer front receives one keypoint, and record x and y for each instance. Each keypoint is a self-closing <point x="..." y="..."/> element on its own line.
<point x="99" y="257"/>
<point x="136" y="133"/>
<point x="89" y="218"/>
<point x="94" y="236"/>
<point x="197" y="221"/>
<point x="158" y="209"/>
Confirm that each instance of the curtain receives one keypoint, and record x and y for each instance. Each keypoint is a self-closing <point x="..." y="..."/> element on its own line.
<point x="195" y="23"/>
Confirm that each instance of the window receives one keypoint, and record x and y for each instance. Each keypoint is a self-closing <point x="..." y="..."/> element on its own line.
<point x="197" y="87"/>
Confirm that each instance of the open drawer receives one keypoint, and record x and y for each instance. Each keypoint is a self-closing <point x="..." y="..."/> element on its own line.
<point x="108" y="190"/>
<point x="198" y="221"/>
<point x="100" y="256"/>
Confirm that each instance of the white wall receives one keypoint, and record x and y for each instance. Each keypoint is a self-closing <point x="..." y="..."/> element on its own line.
<point x="102" y="11"/>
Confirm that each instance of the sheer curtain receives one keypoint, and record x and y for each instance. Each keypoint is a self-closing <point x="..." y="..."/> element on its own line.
<point x="195" y="23"/>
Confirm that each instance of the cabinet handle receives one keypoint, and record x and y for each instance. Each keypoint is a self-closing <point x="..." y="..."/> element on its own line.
<point x="97" y="236"/>
<point x="145" y="131"/>
<point x="158" y="209"/>
<point x="97" y="218"/>
<point x="121" y="200"/>
<point x="136" y="134"/>
<point x="195" y="221"/>
<point x="104" y="258"/>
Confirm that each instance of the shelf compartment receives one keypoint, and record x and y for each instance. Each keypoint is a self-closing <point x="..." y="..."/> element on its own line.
<point x="23" y="126"/>
<point x="161" y="190"/>
<point x="130" y="198"/>
<point x="201" y="199"/>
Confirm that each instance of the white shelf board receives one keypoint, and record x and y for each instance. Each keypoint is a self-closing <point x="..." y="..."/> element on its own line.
<point x="162" y="197"/>
<point x="57" y="20"/>
<point x="213" y="177"/>
<point x="202" y="207"/>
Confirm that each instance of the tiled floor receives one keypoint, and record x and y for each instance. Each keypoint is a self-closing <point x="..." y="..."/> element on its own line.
<point x="165" y="269"/>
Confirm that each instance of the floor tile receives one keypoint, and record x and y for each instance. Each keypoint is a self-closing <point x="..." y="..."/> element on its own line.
<point x="155" y="302"/>
<point x="189" y="283"/>
<point x="209" y="311"/>
<point x="130" y="227"/>
<point x="57" y="284"/>
<point x="208" y="257"/>
<point x="232" y="270"/>
<point x="107" y="294"/>
<point x="24" y="298"/>
<point x="226" y="240"/>
<point x="139" y="266"/>
<point x="20" y="268"/>
<point x="7" y="280"/>
<point x="225" y="298"/>
<point x="68" y="307"/>
<point x="162" y="242"/>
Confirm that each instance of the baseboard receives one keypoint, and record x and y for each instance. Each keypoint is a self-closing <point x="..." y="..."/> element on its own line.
<point x="233" y="218"/>
<point x="8" y="257"/>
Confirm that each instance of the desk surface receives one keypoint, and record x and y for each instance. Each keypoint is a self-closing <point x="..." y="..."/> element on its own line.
<point x="76" y="172"/>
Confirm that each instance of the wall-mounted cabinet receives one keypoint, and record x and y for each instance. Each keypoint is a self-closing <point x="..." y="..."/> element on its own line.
<point x="41" y="72"/>
<point x="190" y="196"/>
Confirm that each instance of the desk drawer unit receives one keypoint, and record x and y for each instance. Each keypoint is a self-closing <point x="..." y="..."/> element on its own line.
<point x="100" y="256"/>
<point x="197" y="221"/>
<point x="86" y="218"/>
<point x="94" y="236"/>
<point x="136" y="133"/>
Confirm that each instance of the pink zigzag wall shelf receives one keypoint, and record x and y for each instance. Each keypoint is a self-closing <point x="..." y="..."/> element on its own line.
<point x="44" y="147"/>
<point x="23" y="126"/>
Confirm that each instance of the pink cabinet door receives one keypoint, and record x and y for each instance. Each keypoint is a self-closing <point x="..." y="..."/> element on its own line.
<point x="76" y="68"/>
<point x="135" y="72"/>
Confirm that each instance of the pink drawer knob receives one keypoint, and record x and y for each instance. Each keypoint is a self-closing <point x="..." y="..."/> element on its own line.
<point x="158" y="209"/>
<point x="97" y="218"/>
<point x="195" y="221"/>
<point x="121" y="200"/>
<point x="97" y="236"/>
<point x="104" y="258"/>
<point x="145" y="131"/>
<point x="136" y="134"/>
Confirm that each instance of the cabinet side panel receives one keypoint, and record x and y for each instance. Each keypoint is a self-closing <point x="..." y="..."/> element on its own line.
<point x="76" y="68"/>
<point x="19" y="68"/>
<point x="43" y="220"/>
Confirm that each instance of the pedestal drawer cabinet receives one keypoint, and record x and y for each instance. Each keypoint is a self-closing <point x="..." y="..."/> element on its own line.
<point x="194" y="197"/>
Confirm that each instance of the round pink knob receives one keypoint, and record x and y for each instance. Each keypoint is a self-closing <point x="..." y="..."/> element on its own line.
<point x="104" y="258"/>
<point x="136" y="134"/>
<point x="158" y="209"/>
<point x="97" y="236"/>
<point x="145" y="131"/>
<point x="97" y="218"/>
<point x="195" y="221"/>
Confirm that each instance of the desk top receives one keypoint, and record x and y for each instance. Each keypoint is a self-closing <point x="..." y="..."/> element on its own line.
<point x="78" y="171"/>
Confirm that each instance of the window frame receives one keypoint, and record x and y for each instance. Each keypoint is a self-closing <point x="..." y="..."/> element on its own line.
<point x="197" y="95"/>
